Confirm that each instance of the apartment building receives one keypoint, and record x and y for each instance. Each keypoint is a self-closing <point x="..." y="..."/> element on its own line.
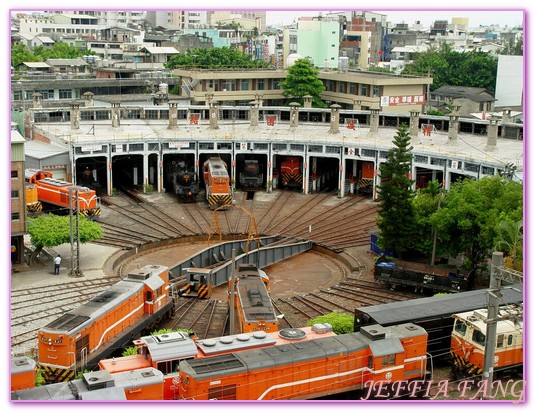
<point x="18" y="196"/>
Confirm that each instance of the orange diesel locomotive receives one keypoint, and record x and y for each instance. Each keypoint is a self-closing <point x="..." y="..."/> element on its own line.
<point x="94" y="330"/>
<point x="312" y="369"/>
<point x="23" y="373"/>
<point x="252" y="303"/>
<point x="469" y="336"/>
<point x="56" y="192"/>
<point x="166" y="352"/>
<point x="142" y="384"/>
<point x="217" y="183"/>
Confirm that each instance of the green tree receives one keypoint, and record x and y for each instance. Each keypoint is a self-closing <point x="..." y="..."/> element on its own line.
<point x="216" y="58"/>
<point x="302" y="80"/>
<point x="449" y="67"/>
<point x="20" y="53"/>
<point x="341" y="322"/>
<point x="53" y="230"/>
<point x="510" y="237"/>
<point x="396" y="218"/>
<point x="426" y="203"/>
<point x="469" y="220"/>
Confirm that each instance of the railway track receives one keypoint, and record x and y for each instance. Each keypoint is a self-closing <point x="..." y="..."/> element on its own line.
<point x="32" y="308"/>
<point x="129" y="222"/>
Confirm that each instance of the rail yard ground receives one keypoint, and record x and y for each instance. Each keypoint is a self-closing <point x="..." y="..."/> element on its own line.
<point x="305" y="286"/>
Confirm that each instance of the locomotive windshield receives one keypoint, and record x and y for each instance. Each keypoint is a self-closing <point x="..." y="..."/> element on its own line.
<point x="460" y="327"/>
<point x="478" y="337"/>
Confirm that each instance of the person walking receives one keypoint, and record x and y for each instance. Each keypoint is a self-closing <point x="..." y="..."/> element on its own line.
<point x="57" y="263"/>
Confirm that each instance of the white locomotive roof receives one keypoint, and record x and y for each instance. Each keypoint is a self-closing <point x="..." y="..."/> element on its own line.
<point x="477" y="318"/>
<point x="174" y="345"/>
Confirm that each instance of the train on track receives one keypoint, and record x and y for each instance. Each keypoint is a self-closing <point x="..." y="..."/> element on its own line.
<point x="291" y="172"/>
<point x="421" y="277"/>
<point x="434" y="314"/>
<point x="197" y="284"/>
<point x="57" y="194"/>
<point x="167" y="351"/>
<point x="468" y="342"/>
<point x="136" y="385"/>
<point x="183" y="181"/>
<point x="251" y="176"/>
<point x="311" y="369"/>
<point x="217" y="183"/>
<point x="253" y="309"/>
<point x="309" y="363"/>
<point x="78" y="339"/>
<point x="158" y="355"/>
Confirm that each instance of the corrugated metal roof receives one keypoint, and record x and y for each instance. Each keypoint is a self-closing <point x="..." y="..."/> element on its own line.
<point x="41" y="150"/>
<point x="36" y="65"/>
<point x="160" y="50"/>
<point x="66" y="62"/>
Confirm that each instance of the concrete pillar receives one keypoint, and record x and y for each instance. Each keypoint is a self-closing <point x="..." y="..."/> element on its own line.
<point x="413" y="126"/>
<point x="209" y="98"/>
<point x="453" y="129"/>
<point x="75" y="116"/>
<point x="115" y="113"/>
<point x="88" y="99"/>
<point x="308" y="101"/>
<point x="254" y="114"/>
<point x="173" y="115"/>
<point x="260" y="99"/>
<point x="374" y="120"/>
<point x="492" y="134"/>
<point x="335" y="119"/>
<point x="37" y="100"/>
<point x="145" y="172"/>
<point x="294" y="115"/>
<point x="214" y="116"/>
<point x="506" y="118"/>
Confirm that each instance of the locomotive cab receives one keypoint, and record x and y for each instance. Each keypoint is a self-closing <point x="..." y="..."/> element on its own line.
<point x="198" y="283"/>
<point x="469" y="337"/>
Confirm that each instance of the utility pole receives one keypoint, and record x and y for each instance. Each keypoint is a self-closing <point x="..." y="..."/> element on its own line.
<point x="74" y="215"/>
<point x="433" y="254"/>
<point x="497" y="274"/>
<point x="232" y="291"/>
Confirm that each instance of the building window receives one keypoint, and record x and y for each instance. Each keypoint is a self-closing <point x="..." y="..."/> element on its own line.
<point x="14" y="194"/>
<point x="261" y="85"/>
<point x="276" y="84"/>
<point x="375" y="91"/>
<point x="65" y="94"/>
<point x="15" y="216"/>
<point x="363" y="89"/>
<point x="14" y="174"/>
<point x="244" y="85"/>
<point x="47" y="94"/>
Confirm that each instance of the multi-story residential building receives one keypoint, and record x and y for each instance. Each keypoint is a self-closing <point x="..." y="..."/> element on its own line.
<point x="318" y="39"/>
<point x="177" y="19"/>
<point x="109" y="18"/>
<point x="81" y="25"/>
<point x="398" y="36"/>
<point x="257" y="16"/>
<point x="363" y="36"/>
<point x="18" y="196"/>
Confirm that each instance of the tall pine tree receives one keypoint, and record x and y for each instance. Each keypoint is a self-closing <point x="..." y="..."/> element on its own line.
<point x="396" y="219"/>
